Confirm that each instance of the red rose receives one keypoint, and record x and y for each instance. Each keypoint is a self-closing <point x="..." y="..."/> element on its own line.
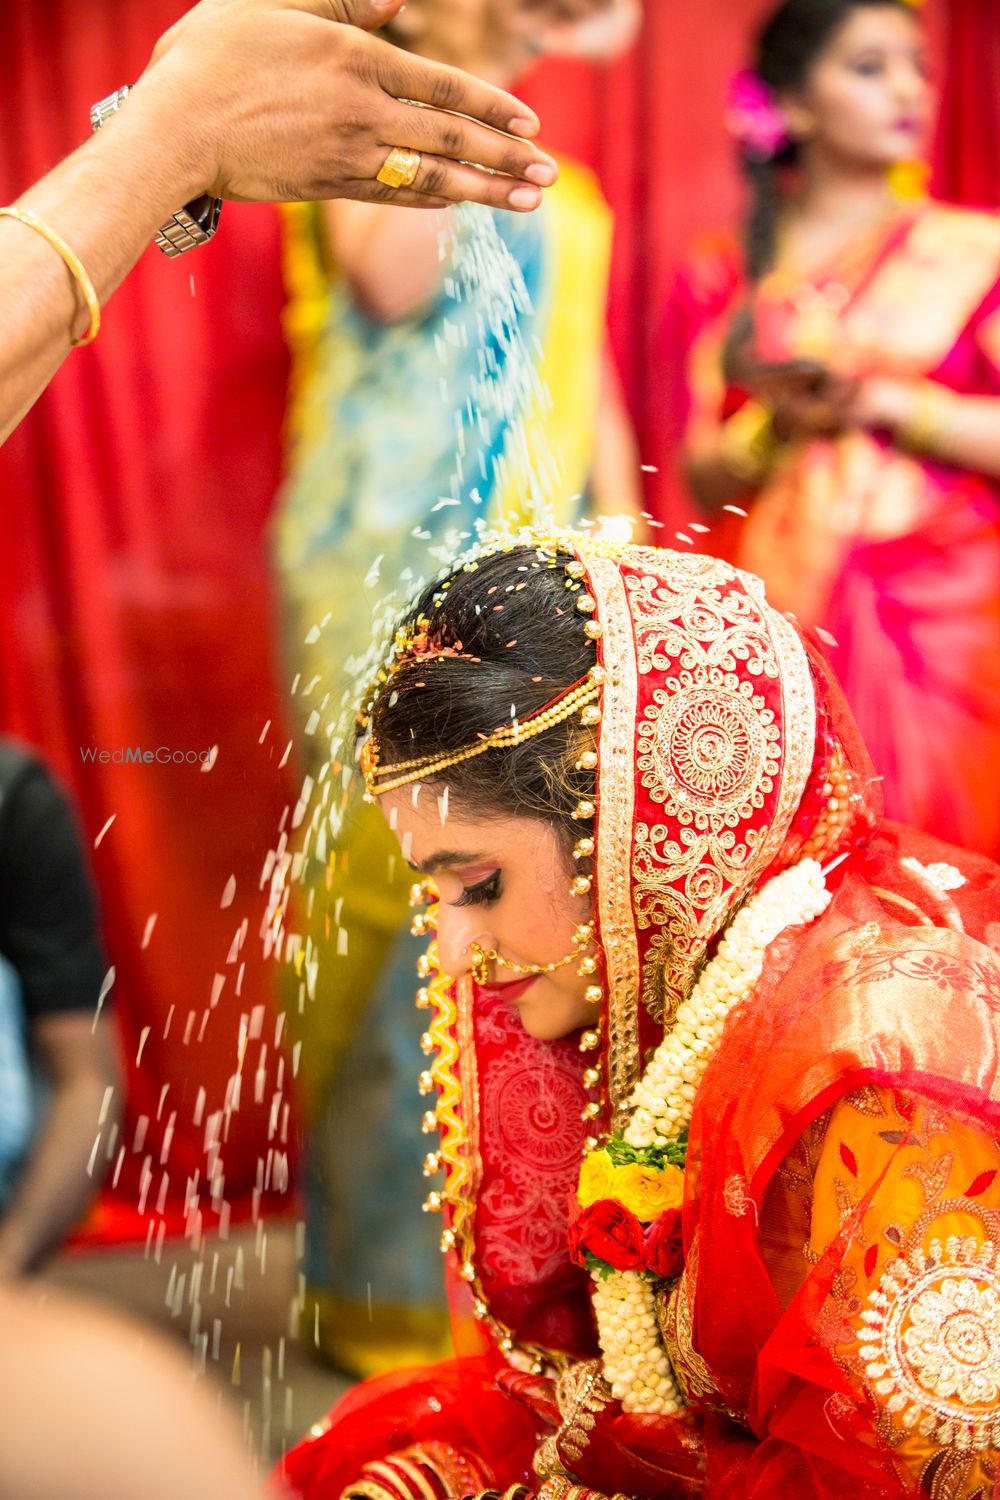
<point x="609" y="1232"/>
<point x="577" y="1253"/>
<point x="665" y="1245"/>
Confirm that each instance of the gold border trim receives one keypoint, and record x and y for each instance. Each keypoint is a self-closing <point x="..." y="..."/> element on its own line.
<point x="798" y="717"/>
<point x="443" y="1029"/>
<point x="615" y="823"/>
<point x="469" y="1085"/>
<point x="456" y="1074"/>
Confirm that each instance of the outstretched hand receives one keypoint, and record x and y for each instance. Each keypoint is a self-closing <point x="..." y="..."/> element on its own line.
<point x="294" y="99"/>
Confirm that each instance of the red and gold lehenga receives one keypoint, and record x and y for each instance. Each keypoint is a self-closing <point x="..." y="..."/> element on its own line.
<point x="836" y="1327"/>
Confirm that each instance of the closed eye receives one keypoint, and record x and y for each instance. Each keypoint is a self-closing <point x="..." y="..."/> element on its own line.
<point x="482" y="894"/>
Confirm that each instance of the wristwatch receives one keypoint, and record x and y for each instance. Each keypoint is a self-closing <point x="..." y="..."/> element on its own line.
<point x="192" y="225"/>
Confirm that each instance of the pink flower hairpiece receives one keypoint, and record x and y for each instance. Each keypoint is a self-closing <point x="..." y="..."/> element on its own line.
<point x="753" y="118"/>
<point x="418" y="643"/>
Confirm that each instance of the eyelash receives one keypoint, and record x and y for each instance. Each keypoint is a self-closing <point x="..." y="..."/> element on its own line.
<point x="483" y="894"/>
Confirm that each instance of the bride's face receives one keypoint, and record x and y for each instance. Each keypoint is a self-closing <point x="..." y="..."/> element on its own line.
<point x="505" y="885"/>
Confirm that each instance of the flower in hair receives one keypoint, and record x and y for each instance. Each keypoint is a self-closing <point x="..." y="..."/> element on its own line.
<point x="753" y="118"/>
<point x="418" y="642"/>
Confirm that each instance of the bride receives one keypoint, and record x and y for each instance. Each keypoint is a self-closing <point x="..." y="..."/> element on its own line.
<point x="712" y="1059"/>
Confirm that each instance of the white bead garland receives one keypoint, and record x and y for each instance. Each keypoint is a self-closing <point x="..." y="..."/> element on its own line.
<point x="663" y="1097"/>
<point x="635" y="1363"/>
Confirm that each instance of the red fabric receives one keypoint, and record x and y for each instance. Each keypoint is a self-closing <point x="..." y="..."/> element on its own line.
<point x="137" y="613"/>
<point x="967" y="160"/>
<point x="530" y="1133"/>
<point x="457" y="1403"/>
<point x="807" y="1039"/>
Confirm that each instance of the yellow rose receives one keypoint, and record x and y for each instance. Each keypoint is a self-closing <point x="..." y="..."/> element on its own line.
<point x="597" y="1179"/>
<point x="648" y="1192"/>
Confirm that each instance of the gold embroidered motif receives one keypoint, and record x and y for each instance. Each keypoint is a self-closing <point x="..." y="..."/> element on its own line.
<point x="932" y="1349"/>
<point x="947" y="1476"/>
<point x="736" y="1197"/>
<point x="582" y="1394"/>
<point x="709" y="750"/>
<point x="547" y="1463"/>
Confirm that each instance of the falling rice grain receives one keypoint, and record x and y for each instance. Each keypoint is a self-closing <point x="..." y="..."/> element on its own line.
<point x="100" y="836"/>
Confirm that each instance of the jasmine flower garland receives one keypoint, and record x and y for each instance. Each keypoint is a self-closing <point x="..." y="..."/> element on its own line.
<point x="634" y="1178"/>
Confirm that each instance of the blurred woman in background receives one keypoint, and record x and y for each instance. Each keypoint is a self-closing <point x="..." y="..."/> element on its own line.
<point x="844" y="384"/>
<point x="444" y="375"/>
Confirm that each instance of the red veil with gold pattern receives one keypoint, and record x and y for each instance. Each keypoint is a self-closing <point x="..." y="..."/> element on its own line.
<point x="836" y="1328"/>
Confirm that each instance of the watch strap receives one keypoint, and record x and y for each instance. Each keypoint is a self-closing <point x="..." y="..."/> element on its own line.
<point x="192" y="225"/>
<point x="105" y="108"/>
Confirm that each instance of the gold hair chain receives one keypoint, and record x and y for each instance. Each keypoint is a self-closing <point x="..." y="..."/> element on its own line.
<point x="579" y="696"/>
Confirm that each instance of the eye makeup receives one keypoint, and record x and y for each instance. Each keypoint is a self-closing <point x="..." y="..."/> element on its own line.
<point x="483" y="893"/>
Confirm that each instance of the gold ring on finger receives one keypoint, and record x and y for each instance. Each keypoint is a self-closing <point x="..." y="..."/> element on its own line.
<point x="400" y="168"/>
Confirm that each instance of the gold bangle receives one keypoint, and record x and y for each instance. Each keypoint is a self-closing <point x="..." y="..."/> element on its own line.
<point x="927" y="429"/>
<point x="73" y="263"/>
<point x="749" y="446"/>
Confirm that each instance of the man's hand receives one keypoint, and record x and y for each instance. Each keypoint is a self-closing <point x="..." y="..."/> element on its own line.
<point x="280" y="99"/>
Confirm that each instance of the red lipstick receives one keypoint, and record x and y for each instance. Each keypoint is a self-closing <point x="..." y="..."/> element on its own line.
<point x="513" y="990"/>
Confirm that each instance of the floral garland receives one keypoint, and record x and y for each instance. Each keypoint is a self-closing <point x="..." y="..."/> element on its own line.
<point x="626" y="1221"/>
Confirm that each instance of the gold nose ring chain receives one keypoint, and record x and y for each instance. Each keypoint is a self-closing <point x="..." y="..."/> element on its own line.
<point x="483" y="957"/>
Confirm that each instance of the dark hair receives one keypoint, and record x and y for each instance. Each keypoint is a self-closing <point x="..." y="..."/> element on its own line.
<point x="787" y="46"/>
<point x="513" y="616"/>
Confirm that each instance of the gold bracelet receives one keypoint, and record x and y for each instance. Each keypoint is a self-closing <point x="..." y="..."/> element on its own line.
<point x="73" y="263"/>
<point x="927" y="429"/>
<point x="749" y="446"/>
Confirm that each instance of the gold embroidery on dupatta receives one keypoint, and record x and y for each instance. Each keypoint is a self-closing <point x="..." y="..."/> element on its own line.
<point x="673" y="1314"/>
<point x="798" y="718"/>
<point x="710" y="751"/>
<point x="931" y="1344"/>
<point x="617" y="810"/>
<point x="582" y="1394"/>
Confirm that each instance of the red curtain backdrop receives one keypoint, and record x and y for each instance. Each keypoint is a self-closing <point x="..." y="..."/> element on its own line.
<point x="968" y="152"/>
<point x="137" y="612"/>
<point x="133" y="564"/>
